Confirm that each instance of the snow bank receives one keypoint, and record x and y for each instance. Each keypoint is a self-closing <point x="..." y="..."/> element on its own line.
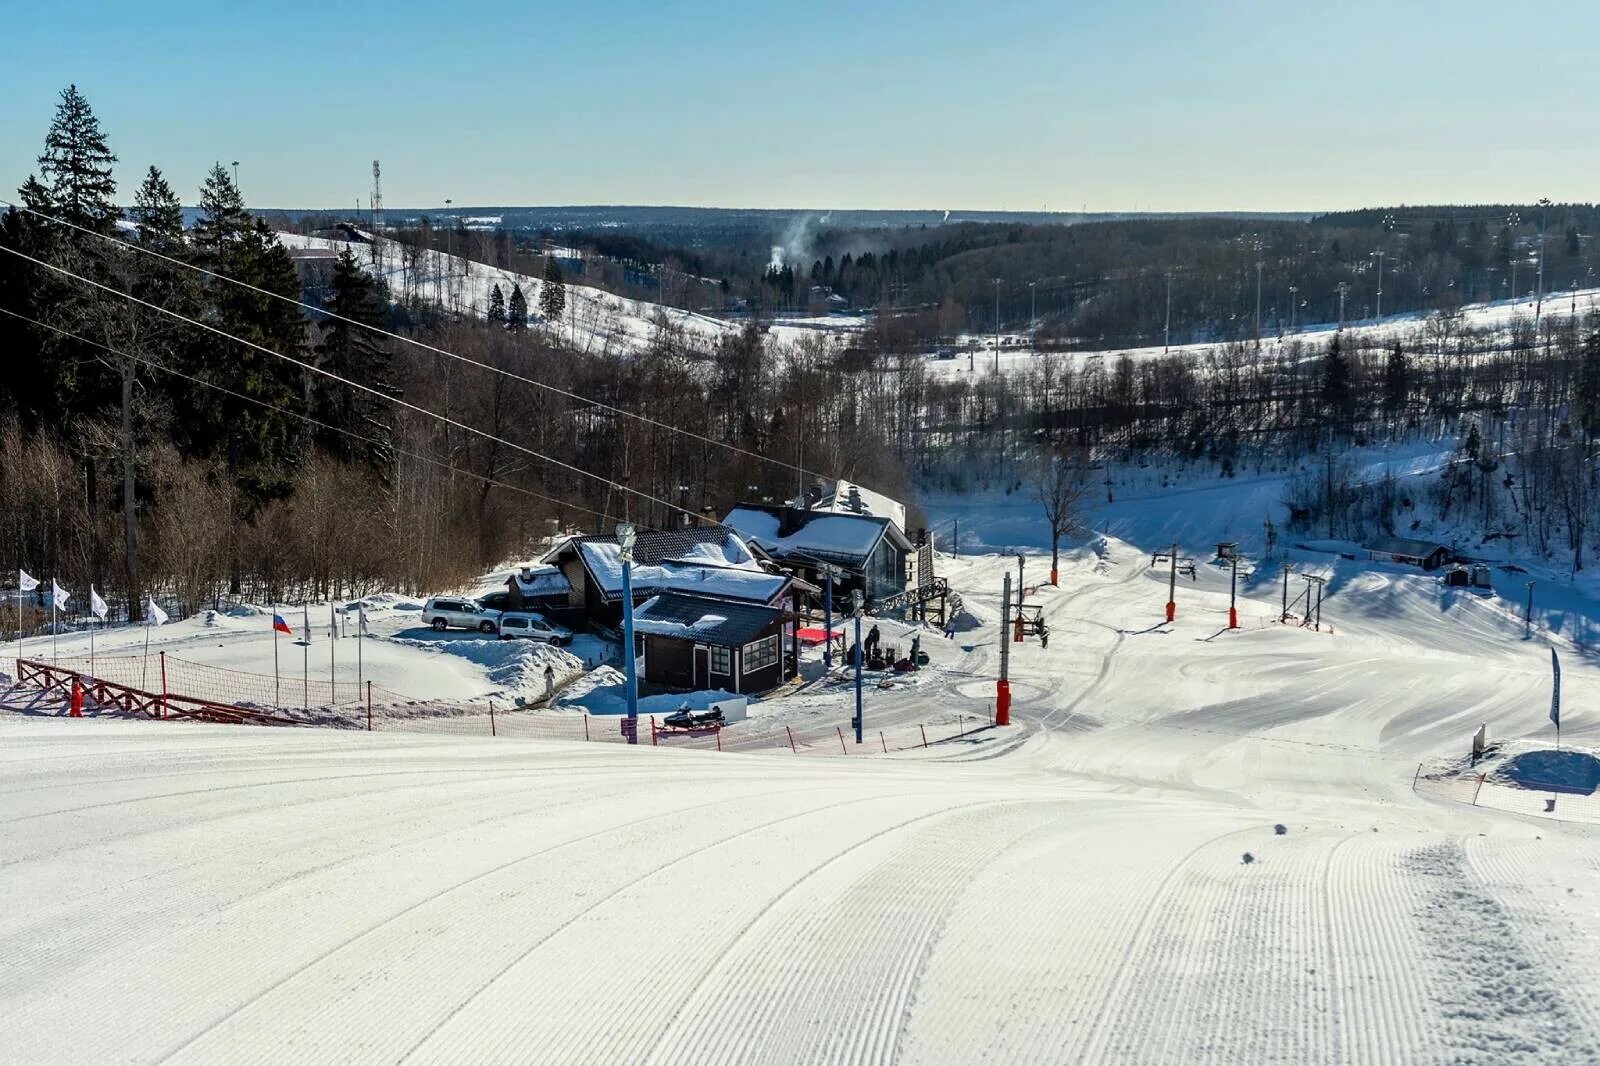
<point x="516" y="666"/>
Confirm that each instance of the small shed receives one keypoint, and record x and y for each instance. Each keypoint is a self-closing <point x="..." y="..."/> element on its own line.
<point x="1427" y="554"/>
<point x="702" y="642"/>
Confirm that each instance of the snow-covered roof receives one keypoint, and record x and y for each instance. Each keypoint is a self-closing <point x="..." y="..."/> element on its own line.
<point x="713" y="562"/>
<point x="847" y="538"/>
<point x="847" y="497"/>
<point x="541" y="581"/>
<point x="719" y="622"/>
<point x="1405" y="546"/>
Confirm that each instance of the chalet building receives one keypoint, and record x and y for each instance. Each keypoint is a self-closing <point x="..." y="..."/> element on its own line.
<point x="709" y="561"/>
<point x="694" y="643"/>
<point x="870" y="550"/>
<point x="1427" y="554"/>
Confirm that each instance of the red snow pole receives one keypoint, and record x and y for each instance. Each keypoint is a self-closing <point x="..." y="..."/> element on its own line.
<point x="76" y="708"/>
<point x="1233" y="618"/>
<point x="1002" y="702"/>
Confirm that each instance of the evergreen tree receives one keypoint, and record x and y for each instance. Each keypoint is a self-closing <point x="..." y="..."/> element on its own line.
<point x="158" y="214"/>
<point x="517" y="311"/>
<point x="257" y="443"/>
<point x="1396" y="383"/>
<point x="1587" y="400"/>
<point x="1336" y="393"/>
<point x="223" y="222"/>
<point x="553" y="293"/>
<point x="497" y="305"/>
<point x="76" y="185"/>
<point x="356" y="354"/>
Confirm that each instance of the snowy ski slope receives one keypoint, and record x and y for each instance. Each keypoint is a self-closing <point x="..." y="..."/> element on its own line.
<point x="1073" y="888"/>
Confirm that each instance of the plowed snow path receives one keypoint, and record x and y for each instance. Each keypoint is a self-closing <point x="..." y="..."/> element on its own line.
<point x="215" y="894"/>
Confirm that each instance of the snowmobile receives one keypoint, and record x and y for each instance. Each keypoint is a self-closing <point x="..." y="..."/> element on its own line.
<point x="684" y="718"/>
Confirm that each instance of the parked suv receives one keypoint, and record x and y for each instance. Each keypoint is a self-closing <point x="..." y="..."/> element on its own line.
<point x="448" y="612"/>
<point x="525" y="625"/>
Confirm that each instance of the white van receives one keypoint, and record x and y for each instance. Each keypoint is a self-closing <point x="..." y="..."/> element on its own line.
<point x="525" y="625"/>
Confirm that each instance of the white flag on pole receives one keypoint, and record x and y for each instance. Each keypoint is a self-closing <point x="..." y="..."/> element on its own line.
<point x="97" y="605"/>
<point x="153" y="613"/>
<point x="305" y="617"/>
<point x="361" y="623"/>
<point x="25" y="582"/>
<point x="58" y="595"/>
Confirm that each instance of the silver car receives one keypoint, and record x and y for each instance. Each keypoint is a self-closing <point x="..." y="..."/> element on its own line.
<point x="450" y="612"/>
<point x="525" y="625"/>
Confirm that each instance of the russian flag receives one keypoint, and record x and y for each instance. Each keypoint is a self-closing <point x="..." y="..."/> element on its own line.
<point x="279" y="625"/>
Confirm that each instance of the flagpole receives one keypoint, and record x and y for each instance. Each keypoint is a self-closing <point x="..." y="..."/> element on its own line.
<point x="305" y="657"/>
<point x="55" y="636"/>
<point x="333" y="644"/>
<point x="144" y="669"/>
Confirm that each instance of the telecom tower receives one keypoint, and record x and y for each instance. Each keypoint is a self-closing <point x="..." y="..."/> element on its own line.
<point x="377" y="197"/>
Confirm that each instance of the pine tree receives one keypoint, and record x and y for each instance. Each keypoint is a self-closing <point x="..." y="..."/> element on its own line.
<point x="1396" y="380"/>
<point x="76" y="185"/>
<point x="223" y="222"/>
<point x="356" y="354"/>
<point x="1336" y="394"/>
<point x="158" y="214"/>
<point x="258" y="444"/>
<point x="517" y="311"/>
<point x="553" y="293"/>
<point x="1587" y="400"/>
<point x="497" y="305"/>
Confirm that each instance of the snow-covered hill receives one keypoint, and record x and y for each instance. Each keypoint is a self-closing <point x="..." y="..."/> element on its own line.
<point x="595" y="321"/>
<point x="1192" y="845"/>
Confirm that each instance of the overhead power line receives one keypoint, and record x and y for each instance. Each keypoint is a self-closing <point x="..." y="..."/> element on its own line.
<point x="556" y="389"/>
<point x="346" y="381"/>
<point x="153" y="365"/>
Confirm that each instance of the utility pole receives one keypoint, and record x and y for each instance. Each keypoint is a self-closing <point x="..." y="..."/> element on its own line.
<point x="1293" y="289"/>
<point x="1033" y="314"/>
<point x="1258" y="303"/>
<point x="1314" y="614"/>
<point x="1022" y="561"/>
<point x="1172" y="584"/>
<point x="828" y="570"/>
<point x="1166" y="335"/>
<point x="1344" y="289"/>
<point x="1544" y="218"/>
<point x="1379" y="255"/>
<point x="1287" y="566"/>
<point x="857" y="602"/>
<point x="997" y="326"/>
<point x="625" y="538"/>
<point x="1230" y="552"/>
<point x="1002" y="687"/>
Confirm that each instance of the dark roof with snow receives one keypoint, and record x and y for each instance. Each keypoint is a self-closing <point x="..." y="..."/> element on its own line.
<point x="725" y="623"/>
<point x="790" y="533"/>
<point x="1421" y="549"/>
<point x="651" y="546"/>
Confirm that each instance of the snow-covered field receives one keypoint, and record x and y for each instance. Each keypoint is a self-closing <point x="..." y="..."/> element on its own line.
<point x="1102" y="881"/>
<point x="1016" y="354"/>
<point x="595" y="321"/>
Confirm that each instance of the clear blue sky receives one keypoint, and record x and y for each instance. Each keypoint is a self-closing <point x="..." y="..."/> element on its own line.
<point x="1113" y="104"/>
